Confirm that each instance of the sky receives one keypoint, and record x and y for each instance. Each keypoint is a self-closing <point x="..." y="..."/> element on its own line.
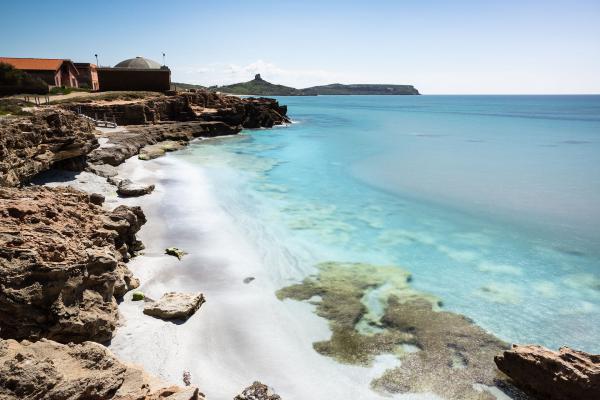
<point x="439" y="46"/>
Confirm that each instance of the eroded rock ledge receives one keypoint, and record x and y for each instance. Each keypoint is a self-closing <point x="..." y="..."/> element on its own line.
<point x="30" y="145"/>
<point x="53" y="371"/>
<point x="554" y="375"/>
<point x="62" y="263"/>
<point x="200" y="105"/>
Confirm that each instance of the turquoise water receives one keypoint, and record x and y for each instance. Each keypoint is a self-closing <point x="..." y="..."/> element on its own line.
<point x="492" y="202"/>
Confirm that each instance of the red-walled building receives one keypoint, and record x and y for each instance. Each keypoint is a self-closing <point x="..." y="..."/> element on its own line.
<point x="88" y="75"/>
<point x="53" y="71"/>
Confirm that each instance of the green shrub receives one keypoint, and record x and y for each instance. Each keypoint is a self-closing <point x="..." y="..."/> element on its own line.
<point x="15" y="81"/>
<point x="137" y="296"/>
<point x="13" y="106"/>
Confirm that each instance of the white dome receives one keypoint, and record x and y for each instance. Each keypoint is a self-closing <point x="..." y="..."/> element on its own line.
<point x="138" y="63"/>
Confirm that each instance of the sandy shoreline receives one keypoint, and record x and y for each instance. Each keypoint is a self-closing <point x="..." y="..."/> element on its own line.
<point x="243" y="332"/>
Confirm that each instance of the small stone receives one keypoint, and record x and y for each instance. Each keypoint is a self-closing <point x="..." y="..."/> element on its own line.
<point x="97" y="199"/>
<point x="175" y="252"/>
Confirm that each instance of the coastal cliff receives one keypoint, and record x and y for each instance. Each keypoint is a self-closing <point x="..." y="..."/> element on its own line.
<point x="63" y="135"/>
<point x="30" y="145"/>
<point x="63" y="254"/>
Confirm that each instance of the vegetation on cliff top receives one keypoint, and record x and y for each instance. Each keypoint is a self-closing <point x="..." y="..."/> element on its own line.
<point x="361" y="89"/>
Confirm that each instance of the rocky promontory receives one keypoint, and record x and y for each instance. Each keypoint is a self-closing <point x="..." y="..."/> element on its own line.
<point x="62" y="264"/>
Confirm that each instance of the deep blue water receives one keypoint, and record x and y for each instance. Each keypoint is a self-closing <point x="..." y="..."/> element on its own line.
<point x="492" y="202"/>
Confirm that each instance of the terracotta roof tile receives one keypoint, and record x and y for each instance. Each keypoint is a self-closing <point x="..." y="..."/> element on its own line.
<point x="42" y="64"/>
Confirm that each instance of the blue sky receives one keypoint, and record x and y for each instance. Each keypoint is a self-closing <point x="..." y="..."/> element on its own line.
<point x="439" y="46"/>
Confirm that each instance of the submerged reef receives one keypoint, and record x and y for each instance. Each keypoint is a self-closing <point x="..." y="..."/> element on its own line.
<point x="373" y="310"/>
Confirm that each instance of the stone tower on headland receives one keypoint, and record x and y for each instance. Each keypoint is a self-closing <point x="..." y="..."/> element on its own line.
<point x="257" y="77"/>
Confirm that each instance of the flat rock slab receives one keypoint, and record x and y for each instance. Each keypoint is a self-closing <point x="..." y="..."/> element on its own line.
<point x="159" y="149"/>
<point x="175" y="305"/>
<point x="128" y="188"/>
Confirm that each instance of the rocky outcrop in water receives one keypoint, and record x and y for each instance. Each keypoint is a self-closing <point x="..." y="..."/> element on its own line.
<point x="62" y="262"/>
<point x="88" y="371"/>
<point x="439" y="351"/>
<point x="173" y="305"/>
<point x="257" y="391"/>
<point x="553" y="375"/>
<point x="32" y="144"/>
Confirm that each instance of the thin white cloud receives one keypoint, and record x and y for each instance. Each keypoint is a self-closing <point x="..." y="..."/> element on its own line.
<point x="223" y="74"/>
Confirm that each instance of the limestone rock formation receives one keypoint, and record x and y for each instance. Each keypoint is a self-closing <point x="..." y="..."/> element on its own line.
<point x="129" y="189"/>
<point x="554" y="375"/>
<point x="200" y="105"/>
<point x="62" y="262"/>
<point x="52" y="371"/>
<point x="257" y="391"/>
<point x="174" y="305"/>
<point x="32" y="144"/>
<point x="125" y="144"/>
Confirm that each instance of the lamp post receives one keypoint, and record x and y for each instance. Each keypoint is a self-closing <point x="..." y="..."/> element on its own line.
<point x="96" y="55"/>
<point x="164" y="60"/>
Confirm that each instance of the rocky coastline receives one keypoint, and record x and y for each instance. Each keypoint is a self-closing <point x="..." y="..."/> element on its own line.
<point x="63" y="271"/>
<point x="63" y="253"/>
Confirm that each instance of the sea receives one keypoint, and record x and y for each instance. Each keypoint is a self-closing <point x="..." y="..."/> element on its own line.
<point x="492" y="203"/>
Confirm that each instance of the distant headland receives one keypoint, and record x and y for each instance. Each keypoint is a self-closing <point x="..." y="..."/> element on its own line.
<point x="259" y="86"/>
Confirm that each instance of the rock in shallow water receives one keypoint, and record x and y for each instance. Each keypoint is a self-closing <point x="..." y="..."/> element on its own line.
<point x="563" y="375"/>
<point x="53" y="371"/>
<point x="130" y="189"/>
<point x="174" y="305"/>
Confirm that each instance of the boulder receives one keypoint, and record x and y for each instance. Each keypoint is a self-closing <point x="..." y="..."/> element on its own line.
<point x="128" y="188"/>
<point x="174" y="305"/>
<point x="52" y="371"/>
<point x="62" y="264"/>
<point x="257" y="391"/>
<point x="564" y="375"/>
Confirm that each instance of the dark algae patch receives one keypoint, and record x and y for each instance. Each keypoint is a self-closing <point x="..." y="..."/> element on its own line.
<point x="373" y="310"/>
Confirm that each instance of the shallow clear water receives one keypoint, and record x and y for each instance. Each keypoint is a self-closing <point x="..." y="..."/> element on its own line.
<point x="492" y="202"/>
